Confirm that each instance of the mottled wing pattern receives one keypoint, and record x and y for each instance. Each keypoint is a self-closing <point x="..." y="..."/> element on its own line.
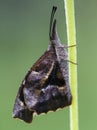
<point x="31" y="87"/>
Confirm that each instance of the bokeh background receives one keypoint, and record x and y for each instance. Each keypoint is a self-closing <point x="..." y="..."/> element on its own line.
<point x="24" y="26"/>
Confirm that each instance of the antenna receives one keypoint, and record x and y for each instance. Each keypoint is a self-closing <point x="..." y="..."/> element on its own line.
<point x="51" y="20"/>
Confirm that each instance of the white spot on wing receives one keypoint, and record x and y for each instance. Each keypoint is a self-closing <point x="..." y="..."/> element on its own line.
<point x="24" y="82"/>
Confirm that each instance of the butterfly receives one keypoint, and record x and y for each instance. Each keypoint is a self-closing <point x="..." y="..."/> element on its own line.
<point x="46" y="85"/>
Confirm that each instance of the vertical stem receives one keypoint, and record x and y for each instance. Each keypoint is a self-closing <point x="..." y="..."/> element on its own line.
<point x="71" y="34"/>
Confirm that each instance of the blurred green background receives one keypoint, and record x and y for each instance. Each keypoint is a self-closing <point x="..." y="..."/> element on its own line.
<point x="24" y="26"/>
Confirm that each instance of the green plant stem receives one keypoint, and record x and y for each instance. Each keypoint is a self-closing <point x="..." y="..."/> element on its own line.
<point x="71" y="34"/>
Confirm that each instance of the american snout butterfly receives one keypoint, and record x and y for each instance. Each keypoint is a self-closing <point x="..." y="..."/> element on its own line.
<point x="46" y="85"/>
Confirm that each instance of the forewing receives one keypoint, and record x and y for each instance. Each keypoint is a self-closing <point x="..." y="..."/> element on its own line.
<point x="31" y="87"/>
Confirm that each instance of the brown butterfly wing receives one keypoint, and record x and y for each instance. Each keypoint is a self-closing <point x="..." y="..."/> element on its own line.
<point x="34" y="80"/>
